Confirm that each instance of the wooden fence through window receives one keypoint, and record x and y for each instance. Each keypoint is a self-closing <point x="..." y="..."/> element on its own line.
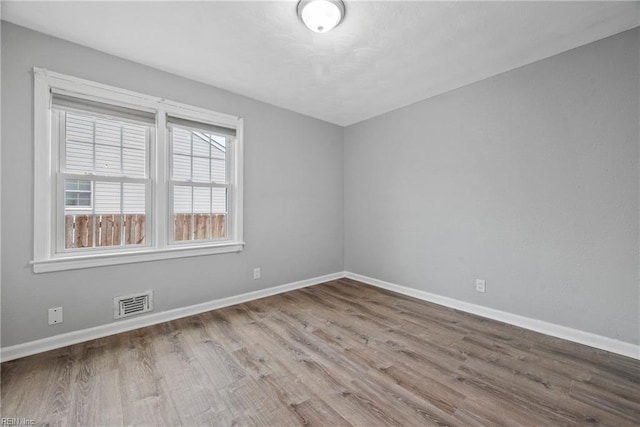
<point x="79" y="229"/>
<point x="199" y="226"/>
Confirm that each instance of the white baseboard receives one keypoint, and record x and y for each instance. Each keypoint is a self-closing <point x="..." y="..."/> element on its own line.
<point x="75" y="337"/>
<point x="575" y="335"/>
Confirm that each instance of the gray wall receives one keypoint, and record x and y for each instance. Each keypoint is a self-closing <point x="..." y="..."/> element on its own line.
<point x="293" y="198"/>
<point x="529" y="179"/>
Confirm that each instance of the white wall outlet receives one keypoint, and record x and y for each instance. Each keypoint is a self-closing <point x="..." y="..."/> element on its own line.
<point x="480" y="285"/>
<point x="55" y="315"/>
<point x="256" y="273"/>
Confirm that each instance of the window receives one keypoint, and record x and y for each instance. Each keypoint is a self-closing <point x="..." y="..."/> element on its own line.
<point x="199" y="180"/>
<point x="123" y="177"/>
<point x="104" y="165"/>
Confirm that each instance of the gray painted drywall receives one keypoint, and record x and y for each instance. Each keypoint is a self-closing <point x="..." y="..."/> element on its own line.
<point x="293" y="198"/>
<point x="529" y="179"/>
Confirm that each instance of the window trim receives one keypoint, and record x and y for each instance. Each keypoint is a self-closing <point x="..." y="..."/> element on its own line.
<point x="45" y="255"/>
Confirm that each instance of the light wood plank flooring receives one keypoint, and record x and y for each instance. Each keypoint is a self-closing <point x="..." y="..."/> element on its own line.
<point x="341" y="353"/>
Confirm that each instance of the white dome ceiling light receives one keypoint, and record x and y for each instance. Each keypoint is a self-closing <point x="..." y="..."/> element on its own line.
<point x="321" y="16"/>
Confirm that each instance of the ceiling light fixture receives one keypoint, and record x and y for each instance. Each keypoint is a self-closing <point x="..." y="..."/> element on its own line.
<point x="321" y="16"/>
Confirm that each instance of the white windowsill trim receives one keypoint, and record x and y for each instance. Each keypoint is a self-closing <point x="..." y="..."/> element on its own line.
<point x="100" y="260"/>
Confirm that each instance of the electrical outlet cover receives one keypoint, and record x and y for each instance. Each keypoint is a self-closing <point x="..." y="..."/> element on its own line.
<point x="55" y="315"/>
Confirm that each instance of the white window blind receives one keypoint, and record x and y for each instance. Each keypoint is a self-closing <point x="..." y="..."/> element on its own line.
<point x="64" y="101"/>
<point x="199" y="126"/>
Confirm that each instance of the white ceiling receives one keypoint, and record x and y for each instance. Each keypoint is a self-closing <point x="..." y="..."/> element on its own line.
<point x="384" y="55"/>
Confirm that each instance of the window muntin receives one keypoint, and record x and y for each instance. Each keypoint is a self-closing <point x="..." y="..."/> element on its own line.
<point x="199" y="184"/>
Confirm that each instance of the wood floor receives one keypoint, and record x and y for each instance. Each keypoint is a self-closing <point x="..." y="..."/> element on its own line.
<point x="340" y="353"/>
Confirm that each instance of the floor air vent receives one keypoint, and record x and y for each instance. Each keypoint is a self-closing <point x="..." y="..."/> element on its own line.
<point x="130" y="305"/>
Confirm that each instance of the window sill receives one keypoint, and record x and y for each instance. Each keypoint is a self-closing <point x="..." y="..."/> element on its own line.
<point x="99" y="260"/>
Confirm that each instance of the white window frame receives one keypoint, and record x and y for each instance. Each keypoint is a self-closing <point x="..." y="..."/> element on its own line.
<point x="229" y="161"/>
<point x="47" y="255"/>
<point x="58" y="145"/>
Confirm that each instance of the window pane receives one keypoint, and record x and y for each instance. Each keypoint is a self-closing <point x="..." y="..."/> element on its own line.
<point x="201" y="211"/>
<point x="201" y="200"/>
<point x="201" y="144"/>
<point x="219" y="141"/>
<point x="133" y="198"/>
<point x="84" y="199"/>
<point x="108" y="230"/>
<point x="181" y="141"/>
<point x="193" y="217"/>
<point x="108" y="160"/>
<point x="133" y="218"/>
<point x="182" y="200"/>
<point x="78" y="230"/>
<point x="79" y="157"/>
<point x="219" y="162"/>
<point x="133" y="162"/>
<point x="182" y="208"/>
<point x="70" y="184"/>
<point x="108" y="132"/>
<point x="181" y="167"/>
<point x="219" y="226"/>
<point x="219" y="217"/>
<point x="219" y="200"/>
<point x="218" y="171"/>
<point x="107" y="197"/>
<point x="201" y="169"/>
<point x="79" y="128"/>
<point x="134" y="136"/>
